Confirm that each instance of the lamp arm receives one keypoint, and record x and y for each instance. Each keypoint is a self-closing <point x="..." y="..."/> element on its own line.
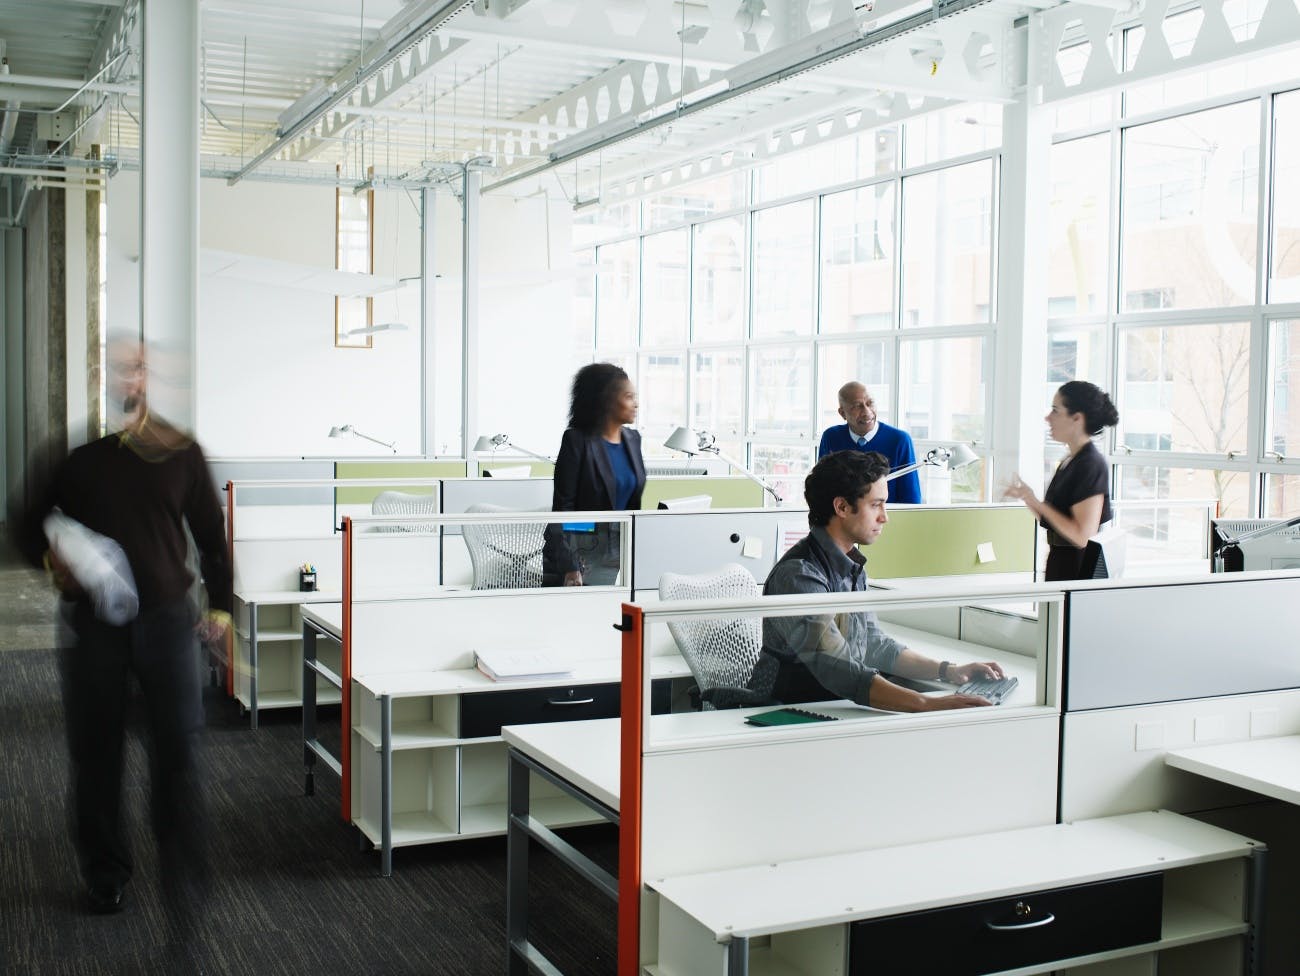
<point x="1261" y="532"/>
<point x="374" y="440"/>
<point x="745" y="471"/>
<point x="531" y="454"/>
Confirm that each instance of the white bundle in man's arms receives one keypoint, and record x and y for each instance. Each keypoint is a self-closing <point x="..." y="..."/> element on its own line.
<point x="98" y="564"/>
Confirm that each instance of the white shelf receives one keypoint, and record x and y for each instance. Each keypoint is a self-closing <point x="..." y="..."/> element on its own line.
<point x="416" y="735"/>
<point x="272" y="699"/>
<point x="271" y="636"/>
<point x="1185" y="922"/>
<point x="489" y="819"/>
<point x="409" y="829"/>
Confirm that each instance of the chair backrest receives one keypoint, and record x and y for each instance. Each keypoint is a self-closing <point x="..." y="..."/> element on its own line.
<point x="403" y="503"/>
<point x="722" y="654"/>
<point x="504" y="555"/>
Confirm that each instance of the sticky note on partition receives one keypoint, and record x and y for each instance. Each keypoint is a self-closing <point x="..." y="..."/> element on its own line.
<point x="984" y="553"/>
<point x="753" y="547"/>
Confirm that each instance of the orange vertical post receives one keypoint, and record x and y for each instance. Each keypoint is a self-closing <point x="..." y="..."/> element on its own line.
<point x="629" y="794"/>
<point x="230" y="554"/>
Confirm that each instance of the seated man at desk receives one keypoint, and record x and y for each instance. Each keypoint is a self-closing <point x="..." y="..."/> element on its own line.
<point x="820" y="658"/>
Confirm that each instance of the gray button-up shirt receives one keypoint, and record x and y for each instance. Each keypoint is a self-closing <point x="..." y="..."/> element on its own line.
<point x="842" y="652"/>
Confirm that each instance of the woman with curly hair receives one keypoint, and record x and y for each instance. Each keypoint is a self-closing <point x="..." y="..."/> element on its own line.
<point x="1077" y="500"/>
<point x="599" y="468"/>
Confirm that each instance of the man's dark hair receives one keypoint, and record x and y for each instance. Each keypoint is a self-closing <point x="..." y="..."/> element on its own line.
<point x="844" y="474"/>
<point x="595" y="388"/>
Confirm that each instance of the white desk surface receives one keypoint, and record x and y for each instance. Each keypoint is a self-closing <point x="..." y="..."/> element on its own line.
<point x="413" y="684"/>
<point x="787" y="896"/>
<point x="288" y="596"/>
<point x="327" y="616"/>
<point x="584" y="753"/>
<point x="1267" y="766"/>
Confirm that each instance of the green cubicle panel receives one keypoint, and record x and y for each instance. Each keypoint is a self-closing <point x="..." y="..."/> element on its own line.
<point x="725" y="492"/>
<point x="946" y="541"/>
<point x="381" y="470"/>
<point x="538" y="469"/>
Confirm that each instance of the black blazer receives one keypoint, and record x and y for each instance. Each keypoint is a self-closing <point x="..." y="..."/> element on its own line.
<point x="584" y="482"/>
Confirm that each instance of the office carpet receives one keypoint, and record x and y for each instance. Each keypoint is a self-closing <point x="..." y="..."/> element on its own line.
<point x="291" y="892"/>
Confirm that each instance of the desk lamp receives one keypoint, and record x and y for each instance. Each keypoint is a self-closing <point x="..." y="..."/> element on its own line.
<point x="348" y="429"/>
<point x="489" y="444"/>
<point x="690" y="441"/>
<point x="952" y="458"/>
<point x="1231" y="542"/>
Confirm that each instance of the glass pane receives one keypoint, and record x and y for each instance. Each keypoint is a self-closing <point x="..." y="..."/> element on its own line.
<point x="957" y="131"/>
<point x="942" y="487"/>
<point x="602" y="223"/>
<point x="616" y="295"/>
<point x="1284" y="280"/>
<point x="780" y="390"/>
<point x="718" y="394"/>
<point x="1078" y="226"/>
<point x="1281" y="495"/>
<point x="784" y="467"/>
<point x="1282" y="425"/>
<point x="783" y="270"/>
<point x="867" y="363"/>
<point x="845" y="160"/>
<point x="1188" y="195"/>
<point x="717" y="285"/>
<point x="947" y="229"/>
<point x="1164" y="509"/>
<point x="857" y="281"/>
<point x="665" y="285"/>
<point x="1184" y="388"/>
<point x="1072" y="354"/>
<point x="662" y="394"/>
<point x="584" y="303"/>
<point x="697" y="200"/>
<point x="941" y="389"/>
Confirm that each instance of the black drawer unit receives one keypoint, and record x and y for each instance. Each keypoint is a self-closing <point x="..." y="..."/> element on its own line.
<point x="1004" y="933"/>
<point x="483" y="713"/>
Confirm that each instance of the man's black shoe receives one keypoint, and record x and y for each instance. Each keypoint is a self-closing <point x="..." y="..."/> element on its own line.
<point x="104" y="899"/>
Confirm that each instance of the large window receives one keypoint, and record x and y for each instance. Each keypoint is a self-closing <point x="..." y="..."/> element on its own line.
<point x="1189" y="310"/>
<point x="744" y="302"/>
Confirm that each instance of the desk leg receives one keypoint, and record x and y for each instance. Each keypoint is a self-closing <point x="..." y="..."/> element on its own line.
<point x="385" y="785"/>
<point x="308" y="709"/>
<point x="252" y="665"/>
<point x="738" y="957"/>
<point x="1254" y="962"/>
<point x="516" y="866"/>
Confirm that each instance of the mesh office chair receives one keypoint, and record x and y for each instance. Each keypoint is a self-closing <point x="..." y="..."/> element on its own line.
<point x="504" y="555"/>
<point x="724" y="655"/>
<point x="403" y="503"/>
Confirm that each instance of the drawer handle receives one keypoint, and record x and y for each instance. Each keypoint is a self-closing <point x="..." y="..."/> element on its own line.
<point x="1047" y="919"/>
<point x="570" y="701"/>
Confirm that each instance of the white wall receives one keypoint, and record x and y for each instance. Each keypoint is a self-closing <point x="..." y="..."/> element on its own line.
<point x="270" y="382"/>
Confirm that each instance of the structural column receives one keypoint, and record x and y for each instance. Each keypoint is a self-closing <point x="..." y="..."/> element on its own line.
<point x="1020" y="370"/>
<point x="169" y="203"/>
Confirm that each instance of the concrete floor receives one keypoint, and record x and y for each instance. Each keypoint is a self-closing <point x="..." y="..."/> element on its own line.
<point x="28" y="605"/>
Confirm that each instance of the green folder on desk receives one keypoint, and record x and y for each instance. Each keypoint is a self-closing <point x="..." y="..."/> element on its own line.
<point x="788" y="716"/>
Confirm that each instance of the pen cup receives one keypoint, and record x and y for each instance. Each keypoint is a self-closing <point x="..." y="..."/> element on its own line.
<point x="306" y="580"/>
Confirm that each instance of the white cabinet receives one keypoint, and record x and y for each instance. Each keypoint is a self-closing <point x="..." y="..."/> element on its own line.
<point x="267" y="662"/>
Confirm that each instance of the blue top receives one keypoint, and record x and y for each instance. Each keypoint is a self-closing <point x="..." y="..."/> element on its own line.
<point x="624" y="475"/>
<point x="893" y="443"/>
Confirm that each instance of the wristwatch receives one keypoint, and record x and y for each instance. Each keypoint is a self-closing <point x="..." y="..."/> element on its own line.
<point x="943" y="670"/>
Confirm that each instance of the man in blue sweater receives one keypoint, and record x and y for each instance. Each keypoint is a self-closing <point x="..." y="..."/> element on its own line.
<point x="865" y="432"/>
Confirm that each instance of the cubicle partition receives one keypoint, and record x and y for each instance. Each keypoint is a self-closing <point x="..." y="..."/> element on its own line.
<point x="1179" y="665"/>
<point x="958" y="540"/>
<point x="423" y="759"/>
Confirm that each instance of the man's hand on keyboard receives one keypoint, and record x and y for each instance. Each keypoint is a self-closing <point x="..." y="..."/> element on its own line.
<point x="937" y="703"/>
<point x="960" y="675"/>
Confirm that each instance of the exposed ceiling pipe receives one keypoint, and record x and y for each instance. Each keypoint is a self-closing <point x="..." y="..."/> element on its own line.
<point x="398" y="36"/>
<point x="9" y="120"/>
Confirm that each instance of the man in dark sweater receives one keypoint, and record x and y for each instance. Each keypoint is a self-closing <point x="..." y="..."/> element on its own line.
<point x="138" y="487"/>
